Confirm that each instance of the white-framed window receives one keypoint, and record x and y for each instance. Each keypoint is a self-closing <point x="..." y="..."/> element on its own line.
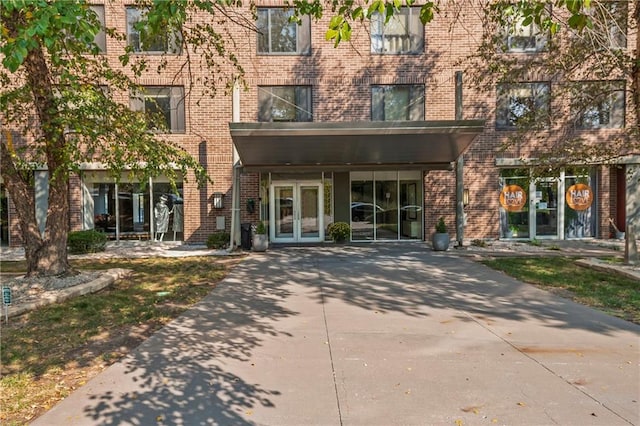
<point x="404" y="33"/>
<point x="284" y="103"/>
<point x="600" y="105"/>
<point x="522" y="104"/>
<point x="520" y="38"/>
<point x="145" y="42"/>
<point x="397" y="102"/>
<point x="278" y="35"/>
<point x="164" y="105"/>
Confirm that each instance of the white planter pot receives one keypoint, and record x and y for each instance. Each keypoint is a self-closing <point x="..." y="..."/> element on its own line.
<point x="440" y="241"/>
<point x="260" y="242"/>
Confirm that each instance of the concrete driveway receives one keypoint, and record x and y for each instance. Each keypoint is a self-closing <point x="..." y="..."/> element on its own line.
<point x="371" y="335"/>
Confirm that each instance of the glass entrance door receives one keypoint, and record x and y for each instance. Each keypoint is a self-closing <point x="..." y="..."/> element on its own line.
<point x="546" y="209"/>
<point x="296" y="214"/>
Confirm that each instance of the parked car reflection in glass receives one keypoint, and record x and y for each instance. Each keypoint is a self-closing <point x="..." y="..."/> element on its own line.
<point x="364" y="211"/>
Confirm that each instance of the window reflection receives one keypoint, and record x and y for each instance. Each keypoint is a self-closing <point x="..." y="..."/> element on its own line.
<point x="386" y="205"/>
<point x="124" y="210"/>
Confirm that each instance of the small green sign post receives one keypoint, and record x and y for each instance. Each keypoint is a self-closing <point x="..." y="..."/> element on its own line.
<point x="6" y="301"/>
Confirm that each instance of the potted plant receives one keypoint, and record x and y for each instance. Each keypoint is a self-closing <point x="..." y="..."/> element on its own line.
<point x="339" y="232"/>
<point x="440" y="239"/>
<point x="260" y="239"/>
<point x="512" y="231"/>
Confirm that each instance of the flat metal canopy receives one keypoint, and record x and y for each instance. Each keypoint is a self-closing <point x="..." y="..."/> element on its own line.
<point x="353" y="145"/>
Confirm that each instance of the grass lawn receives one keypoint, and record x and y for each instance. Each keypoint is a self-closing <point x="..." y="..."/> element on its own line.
<point x="48" y="353"/>
<point x="609" y="292"/>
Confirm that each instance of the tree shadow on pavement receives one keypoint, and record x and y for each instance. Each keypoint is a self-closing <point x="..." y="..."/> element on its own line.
<point x="175" y="377"/>
<point x="183" y="374"/>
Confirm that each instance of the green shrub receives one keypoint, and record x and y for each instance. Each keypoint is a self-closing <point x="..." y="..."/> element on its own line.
<point x="218" y="240"/>
<point x="441" y="227"/>
<point x="339" y="231"/>
<point x="89" y="241"/>
<point x="261" y="229"/>
<point x="479" y="243"/>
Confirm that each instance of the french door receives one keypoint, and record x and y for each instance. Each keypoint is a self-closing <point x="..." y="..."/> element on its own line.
<point x="296" y="212"/>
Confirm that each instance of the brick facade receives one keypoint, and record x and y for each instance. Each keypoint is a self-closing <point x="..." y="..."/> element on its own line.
<point x="341" y="80"/>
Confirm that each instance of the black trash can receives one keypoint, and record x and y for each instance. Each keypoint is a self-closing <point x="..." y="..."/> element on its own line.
<point x="245" y="236"/>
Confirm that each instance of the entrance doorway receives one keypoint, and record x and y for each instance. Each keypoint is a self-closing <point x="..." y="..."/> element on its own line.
<point x="545" y="209"/>
<point x="296" y="212"/>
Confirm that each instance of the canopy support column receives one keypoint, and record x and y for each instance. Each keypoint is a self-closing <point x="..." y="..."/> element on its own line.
<point x="460" y="201"/>
<point x="234" y="232"/>
<point x="459" y="170"/>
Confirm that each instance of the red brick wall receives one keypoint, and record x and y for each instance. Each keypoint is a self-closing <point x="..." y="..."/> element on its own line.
<point x="76" y="209"/>
<point x="341" y="78"/>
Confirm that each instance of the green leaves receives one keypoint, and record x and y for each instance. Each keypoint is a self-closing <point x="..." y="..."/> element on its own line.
<point x="427" y="12"/>
<point x="30" y="25"/>
<point x="339" y="29"/>
<point x="579" y="21"/>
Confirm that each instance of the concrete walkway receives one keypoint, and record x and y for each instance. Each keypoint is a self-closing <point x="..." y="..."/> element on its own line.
<point x="371" y="335"/>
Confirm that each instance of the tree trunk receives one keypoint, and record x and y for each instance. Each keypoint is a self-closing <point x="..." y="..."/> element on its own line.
<point x="46" y="255"/>
<point x="635" y="72"/>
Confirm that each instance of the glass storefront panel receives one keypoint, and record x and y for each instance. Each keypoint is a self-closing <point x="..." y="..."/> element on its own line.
<point x="363" y="209"/>
<point x="386" y="205"/>
<point x="579" y="222"/>
<point x="558" y="205"/>
<point x="124" y="210"/>
<point x="514" y="222"/>
<point x="174" y="204"/>
<point x="104" y="207"/>
<point x="386" y="197"/>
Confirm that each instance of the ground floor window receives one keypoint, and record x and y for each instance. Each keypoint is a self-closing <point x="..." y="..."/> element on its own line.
<point x="133" y="209"/>
<point x="514" y="199"/>
<point x="380" y="206"/>
<point x="579" y="201"/>
<point x="386" y="205"/>
<point x="558" y="205"/>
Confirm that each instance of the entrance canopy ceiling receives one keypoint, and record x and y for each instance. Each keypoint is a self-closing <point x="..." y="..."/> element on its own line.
<point x="353" y="145"/>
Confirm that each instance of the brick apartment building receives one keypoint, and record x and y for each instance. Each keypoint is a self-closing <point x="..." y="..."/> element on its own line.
<point x="384" y="132"/>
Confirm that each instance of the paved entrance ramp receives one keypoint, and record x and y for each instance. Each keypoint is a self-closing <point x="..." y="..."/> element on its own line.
<point x="371" y="335"/>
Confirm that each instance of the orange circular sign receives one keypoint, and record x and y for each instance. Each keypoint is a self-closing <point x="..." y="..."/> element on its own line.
<point x="513" y="198"/>
<point x="579" y="196"/>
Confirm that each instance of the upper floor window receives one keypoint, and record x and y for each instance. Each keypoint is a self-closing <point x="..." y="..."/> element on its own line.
<point x="609" y="20"/>
<point x="522" y="104"/>
<point x="101" y="38"/>
<point x="600" y="105"/>
<point x="404" y="33"/>
<point x="143" y="41"/>
<point x="397" y="102"/>
<point x="518" y="37"/>
<point x="164" y="106"/>
<point x="284" y="103"/>
<point x="277" y="34"/>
